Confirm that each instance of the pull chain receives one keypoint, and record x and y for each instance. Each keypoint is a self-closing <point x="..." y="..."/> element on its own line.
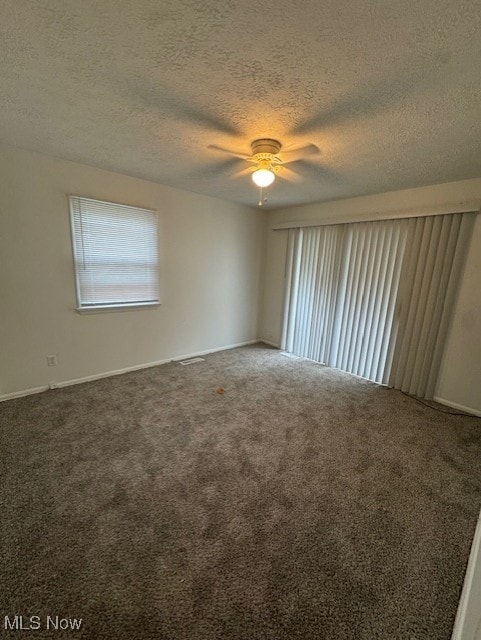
<point x="262" y="199"/>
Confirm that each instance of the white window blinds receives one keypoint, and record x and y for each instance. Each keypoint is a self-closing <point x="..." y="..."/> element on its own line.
<point x="115" y="254"/>
<point x="435" y="251"/>
<point x="342" y="283"/>
<point x="312" y="273"/>
<point x="367" y="293"/>
<point x="375" y="298"/>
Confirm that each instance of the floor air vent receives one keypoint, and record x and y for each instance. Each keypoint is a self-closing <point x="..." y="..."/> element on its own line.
<point x="192" y="361"/>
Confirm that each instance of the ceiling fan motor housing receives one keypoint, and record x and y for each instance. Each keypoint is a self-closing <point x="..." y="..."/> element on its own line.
<point x="266" y="145"/>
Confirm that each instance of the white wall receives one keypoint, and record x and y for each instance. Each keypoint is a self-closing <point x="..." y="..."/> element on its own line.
<point x="460" y="378"/>
<point x="211" y="256"/>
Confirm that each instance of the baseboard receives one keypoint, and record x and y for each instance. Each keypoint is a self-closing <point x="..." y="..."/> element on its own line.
<point x="107" y="374"/>
<point x="271" y="344"/>
<point x="467" y="625"/>
<point x="460" y="407"/>
<point x="118" y="372"/>
<point x="196" y="354"/>
<point x="23" y="392"/>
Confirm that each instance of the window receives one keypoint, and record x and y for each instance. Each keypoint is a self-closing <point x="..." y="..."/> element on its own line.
<point x="115" y="254"/>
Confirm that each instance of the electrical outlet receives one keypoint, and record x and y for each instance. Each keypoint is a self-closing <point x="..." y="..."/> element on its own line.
<point x="51" y="361"/>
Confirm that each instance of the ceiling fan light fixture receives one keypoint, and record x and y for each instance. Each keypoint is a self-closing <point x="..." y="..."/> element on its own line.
<point x="263" y="177"/>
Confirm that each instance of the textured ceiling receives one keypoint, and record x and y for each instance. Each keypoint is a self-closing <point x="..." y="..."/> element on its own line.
<point x="389" y="90"/>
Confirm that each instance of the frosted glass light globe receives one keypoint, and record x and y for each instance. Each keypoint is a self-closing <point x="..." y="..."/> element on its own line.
<point x="263" y="177"/>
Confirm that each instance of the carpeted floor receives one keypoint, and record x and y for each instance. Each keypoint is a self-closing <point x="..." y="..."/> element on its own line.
<point x="301" y="503"/>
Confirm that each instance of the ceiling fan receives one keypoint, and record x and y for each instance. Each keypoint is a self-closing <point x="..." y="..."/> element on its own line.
<point x="266" y="163"/>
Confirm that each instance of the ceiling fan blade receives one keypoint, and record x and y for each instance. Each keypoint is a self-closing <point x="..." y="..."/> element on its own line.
<point x="289" y="175"/>
<point x="216" y="147"/>
<point x="298" y="153"/>
<point x="223" y="166"/>
<point x="318" y="170"/>
<point x="244" y="172"/>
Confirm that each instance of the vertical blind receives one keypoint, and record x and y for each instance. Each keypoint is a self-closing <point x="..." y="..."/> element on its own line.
<point x="367" y="291"/>
<point x="312" y="268"/>
<point x="432" y="266"/>
<point x="375" y="298"/>
<point x="115" y="253"/>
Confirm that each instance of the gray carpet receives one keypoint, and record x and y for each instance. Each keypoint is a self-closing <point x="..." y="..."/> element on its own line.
<point x="301" y="503"/>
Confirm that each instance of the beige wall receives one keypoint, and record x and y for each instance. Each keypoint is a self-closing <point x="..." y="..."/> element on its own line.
<point x="211" y="256"/>
<point x="460" y="379"/>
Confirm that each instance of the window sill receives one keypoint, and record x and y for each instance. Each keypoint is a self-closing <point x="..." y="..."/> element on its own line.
<point x="109" y="308"/>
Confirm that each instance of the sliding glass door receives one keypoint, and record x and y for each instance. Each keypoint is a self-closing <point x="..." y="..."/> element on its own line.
<point x="375" y="298"/>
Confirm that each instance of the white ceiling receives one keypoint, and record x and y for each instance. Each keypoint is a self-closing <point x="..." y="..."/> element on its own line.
<point x="389" y="90"/>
